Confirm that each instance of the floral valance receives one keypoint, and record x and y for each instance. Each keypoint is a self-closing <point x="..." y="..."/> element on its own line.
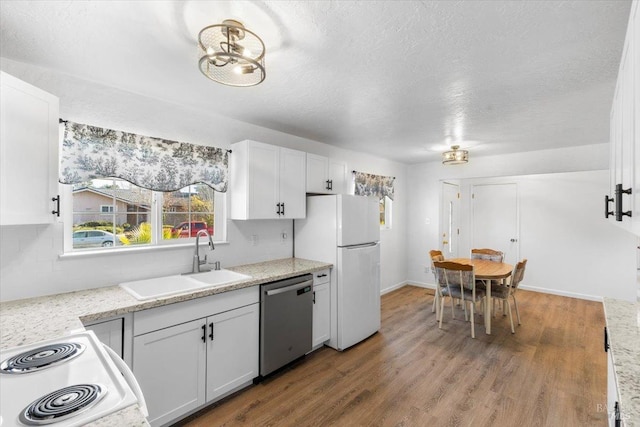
<point x="367" y="184"/>
<point x="90" y="152"/>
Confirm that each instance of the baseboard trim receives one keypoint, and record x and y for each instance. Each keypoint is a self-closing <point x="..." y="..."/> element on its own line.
<point x="393" y="288"/>
<point x="562" y="293"/>
<point x="523" y="287"/>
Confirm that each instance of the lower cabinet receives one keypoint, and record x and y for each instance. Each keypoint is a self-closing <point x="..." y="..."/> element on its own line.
<point x="321" y="308"/>
<point x="232" y="350"/>
<point x="170" y="366"/>
<point x="613" y="406"/>
<point x="185" y="366"/>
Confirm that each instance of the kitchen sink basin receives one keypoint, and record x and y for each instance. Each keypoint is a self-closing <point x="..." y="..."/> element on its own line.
<point x="218" y="277"/>
<point x="177" y="284"/>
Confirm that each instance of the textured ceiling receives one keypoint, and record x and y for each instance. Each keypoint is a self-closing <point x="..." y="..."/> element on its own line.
<point x="398" y="79"/>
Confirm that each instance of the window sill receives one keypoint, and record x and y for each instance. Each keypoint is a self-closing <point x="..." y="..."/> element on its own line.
<point x="136" y="250"/>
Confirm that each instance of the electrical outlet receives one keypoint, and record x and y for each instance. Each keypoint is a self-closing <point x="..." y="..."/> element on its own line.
<point x="427" y="269"/>
<point x="254" y="240"/>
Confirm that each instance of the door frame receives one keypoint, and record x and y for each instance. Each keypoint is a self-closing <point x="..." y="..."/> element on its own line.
<point x="443" y="223"/>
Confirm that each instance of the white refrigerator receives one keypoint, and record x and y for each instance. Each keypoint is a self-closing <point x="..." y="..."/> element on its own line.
<point x="345" y="231"/>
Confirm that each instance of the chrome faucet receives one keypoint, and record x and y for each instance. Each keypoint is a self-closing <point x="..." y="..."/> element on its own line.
<point x="197" y="262"/>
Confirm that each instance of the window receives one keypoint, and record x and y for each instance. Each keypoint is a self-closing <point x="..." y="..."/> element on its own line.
<point x="113" y="213"/>
<point x="386" y="205"/>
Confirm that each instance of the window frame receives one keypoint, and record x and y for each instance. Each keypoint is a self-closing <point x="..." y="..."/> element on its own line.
<point x="388" y="213"/>
<point x="155" y="213"/>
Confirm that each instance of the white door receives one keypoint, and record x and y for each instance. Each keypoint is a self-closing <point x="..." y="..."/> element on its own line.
<point x="450" y="220"/>
<point x="317" y="167"/>
<point x="495" y="219"/>
<point x="293" y="178"/>
<point x="263" y="181"/>
<point x="169" y="364"/>
<point x="358" y="293"/>
<point x="321" y="313"/>
<point x="337" y="177"/>
<point x="232" y="349"/>
<point x="358" y="220"/>
<point x="28" y="153"/>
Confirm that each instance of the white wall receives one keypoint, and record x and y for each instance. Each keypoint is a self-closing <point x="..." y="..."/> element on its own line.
<point x="29" y="256"/>
<point x="572" y="249"/>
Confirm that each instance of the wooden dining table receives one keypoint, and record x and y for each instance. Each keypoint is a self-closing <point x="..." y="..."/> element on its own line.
<point x="487" y="270"/>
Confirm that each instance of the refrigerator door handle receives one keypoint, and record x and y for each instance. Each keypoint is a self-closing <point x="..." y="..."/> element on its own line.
<point x="364" y="245"/>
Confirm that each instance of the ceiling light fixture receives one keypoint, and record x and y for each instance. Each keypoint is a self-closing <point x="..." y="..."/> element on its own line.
<point x="230" y="54"/>
<point x="455" y="156"/>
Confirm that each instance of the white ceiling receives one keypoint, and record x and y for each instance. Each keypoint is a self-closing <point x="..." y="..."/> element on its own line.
<point x="398" y="79"/>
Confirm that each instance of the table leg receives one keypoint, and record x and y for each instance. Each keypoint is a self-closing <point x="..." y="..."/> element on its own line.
<point x="487" y="308"/>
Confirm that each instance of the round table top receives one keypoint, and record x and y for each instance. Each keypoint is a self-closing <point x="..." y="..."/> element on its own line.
<point x="485" y="269"/>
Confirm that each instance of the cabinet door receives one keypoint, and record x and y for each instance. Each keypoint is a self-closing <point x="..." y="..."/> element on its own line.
<point x="338" y="177"/>
<point x="321" y="314"/>
<point x="232" y="349"/>
<point x="317" y="168"/>
<point x="293" y="183"/>
<point x="28" y="153"/>
<point x="169" y="364"/>
<point x="263" y="181"/>
<point x="626" y="136"/>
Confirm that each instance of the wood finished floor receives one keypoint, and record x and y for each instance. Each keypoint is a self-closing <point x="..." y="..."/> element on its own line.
<point x="552" y="372"/>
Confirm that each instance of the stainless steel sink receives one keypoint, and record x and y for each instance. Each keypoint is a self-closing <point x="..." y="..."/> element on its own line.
<point x="170" y="285"/>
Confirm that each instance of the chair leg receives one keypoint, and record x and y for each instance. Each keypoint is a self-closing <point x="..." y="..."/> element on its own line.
<point x="433" y="307"/>
<point x="517" y="311"/>
<point x="513" y="331"/>
<point x="441" y="310"/>
<point x="453" y="311"/>
<point x="473" y="325"/>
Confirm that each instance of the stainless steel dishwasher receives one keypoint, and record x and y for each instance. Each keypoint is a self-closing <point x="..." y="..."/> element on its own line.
<point x="286" y="320"/>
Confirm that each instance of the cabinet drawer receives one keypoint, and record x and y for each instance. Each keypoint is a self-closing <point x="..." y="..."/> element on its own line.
<point x="322" y="276"/>
<point x="163" y="317"/>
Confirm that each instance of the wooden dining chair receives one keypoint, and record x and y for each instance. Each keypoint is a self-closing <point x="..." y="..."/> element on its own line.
<point x="509" y="290"/>
<point x="459" y="283"/>
<point x="435" y="255"/>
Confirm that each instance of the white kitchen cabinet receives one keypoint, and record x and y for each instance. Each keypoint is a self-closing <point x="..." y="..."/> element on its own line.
<point x="28" y="153"/>
<point x="185" y="359"/>
<point x="325" y="175"/>
<point x="321" y="308"/>
<point x="170" y="366"/>
<point x="232" y="350"/>
<point x="625" y="132"/>
<point x="267" y="181"/>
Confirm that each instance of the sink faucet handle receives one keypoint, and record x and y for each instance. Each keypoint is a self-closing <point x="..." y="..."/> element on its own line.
<point x="204" y="261"/>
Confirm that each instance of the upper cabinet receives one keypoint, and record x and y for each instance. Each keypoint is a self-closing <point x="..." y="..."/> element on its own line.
<point x="267" y="181"/>
<point x="325" y="176"/>
<point x="28" y="153"/>
<point x="622" y="205"/>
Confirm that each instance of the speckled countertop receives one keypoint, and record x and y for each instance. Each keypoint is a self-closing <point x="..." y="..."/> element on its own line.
<point x="623" y="326"/>
<point x="31" y="320"/>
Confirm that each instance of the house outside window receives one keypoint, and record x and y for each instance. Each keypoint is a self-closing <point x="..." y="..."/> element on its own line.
<point x="119" y="214"/>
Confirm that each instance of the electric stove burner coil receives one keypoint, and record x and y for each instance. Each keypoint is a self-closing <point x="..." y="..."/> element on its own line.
<point x="41" y="358"/>
<point x="62" y="404"/>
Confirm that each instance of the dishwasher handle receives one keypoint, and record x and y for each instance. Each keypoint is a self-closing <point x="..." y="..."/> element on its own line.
<point x="289" y="288"/>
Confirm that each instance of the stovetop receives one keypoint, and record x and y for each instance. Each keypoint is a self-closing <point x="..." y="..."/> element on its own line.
<point x="78" y="383"/>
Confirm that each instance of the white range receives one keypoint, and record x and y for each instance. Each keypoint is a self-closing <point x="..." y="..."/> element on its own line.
<point x="64" y="382"/>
